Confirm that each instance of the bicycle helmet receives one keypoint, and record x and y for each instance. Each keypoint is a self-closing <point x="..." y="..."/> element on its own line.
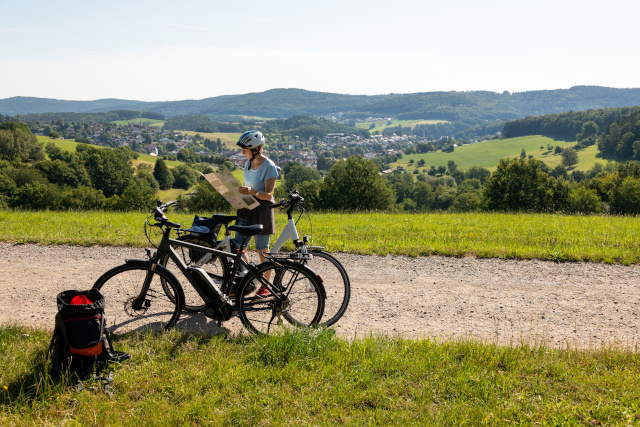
<point x="251" y="139"/>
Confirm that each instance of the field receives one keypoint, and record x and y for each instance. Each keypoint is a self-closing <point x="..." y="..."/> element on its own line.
<point x="609" y="239"/>
<point x="383" y="124"/>
<point x="228" y="139"/>
<point x="487" y="154"/>
<point x="151" y="122"/>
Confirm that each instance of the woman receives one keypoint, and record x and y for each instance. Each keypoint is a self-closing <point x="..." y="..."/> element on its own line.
<point x="259" y="176"/>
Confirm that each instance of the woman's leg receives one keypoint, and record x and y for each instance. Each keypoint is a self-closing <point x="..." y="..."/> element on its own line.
<point x="262" y="246"/>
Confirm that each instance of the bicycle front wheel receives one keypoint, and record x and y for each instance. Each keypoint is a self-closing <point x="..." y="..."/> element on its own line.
<point x="336" y="285"/>
<point x="295" y="298"/>
<point x="125" y="311"/>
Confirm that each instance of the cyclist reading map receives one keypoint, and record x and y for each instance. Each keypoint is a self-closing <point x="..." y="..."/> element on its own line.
<point x="259" y="177"/>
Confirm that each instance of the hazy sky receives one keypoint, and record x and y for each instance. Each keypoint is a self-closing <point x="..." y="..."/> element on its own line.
<point x="159" y="50"/>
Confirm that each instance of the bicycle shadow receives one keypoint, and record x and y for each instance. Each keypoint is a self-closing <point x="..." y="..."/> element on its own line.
<point x="199" y="323"/>
<point x="188" y="322"/>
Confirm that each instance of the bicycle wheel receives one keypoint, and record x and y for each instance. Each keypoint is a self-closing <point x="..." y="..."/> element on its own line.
<point x="121" y="287"/>
<point x="298" y="298"/>
<point x="336" y="285"/>
<point x="217" y="268"/>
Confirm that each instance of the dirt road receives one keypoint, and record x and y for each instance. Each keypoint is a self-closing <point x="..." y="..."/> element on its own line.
<point x="505" y="301"/>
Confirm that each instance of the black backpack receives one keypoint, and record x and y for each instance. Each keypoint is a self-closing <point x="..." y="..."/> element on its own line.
<point x="80" y="338"/>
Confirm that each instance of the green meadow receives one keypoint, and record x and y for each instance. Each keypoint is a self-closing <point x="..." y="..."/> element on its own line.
<point x="140" y="121"/>
<point x="381" y="125"/>
<point x="487" y="154"/>
<point x="609" y="239"/>
<point x="312" y="377"/>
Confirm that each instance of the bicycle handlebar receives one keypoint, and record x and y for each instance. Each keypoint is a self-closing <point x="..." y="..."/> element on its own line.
<point x="161" y="217"/>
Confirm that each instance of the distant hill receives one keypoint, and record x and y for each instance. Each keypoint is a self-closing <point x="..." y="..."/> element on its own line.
<point x="275" y="103"/>
<point x="462" y="109"/>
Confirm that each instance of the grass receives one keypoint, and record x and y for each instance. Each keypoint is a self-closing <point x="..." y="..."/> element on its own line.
<point x="140" y="120"/>
<point x="311" y="377"/>
<point x="609" y="239"/>
<point x="381" y="125"/>
<point x="488" y="154"/>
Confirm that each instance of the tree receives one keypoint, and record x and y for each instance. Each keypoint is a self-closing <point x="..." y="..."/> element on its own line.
<point x="18" y="143"/>
<point x="588" y="133"/>
<point x="163" y="175"/>
<point x="626" y="197"/>
<point x="207" y="200"/>
<point x="54" y="135"/>
<point x="184" y="177"/>
<point x="451" y="165"/>
<point x="569" y="157"/>
<point x="355" y="184"/>
<point x="108" y="170"/>
<point x="521" y="185"/>
<point x="138" y="196"/>
<point x="297" y="173"/>
<point x="583" y="200"/>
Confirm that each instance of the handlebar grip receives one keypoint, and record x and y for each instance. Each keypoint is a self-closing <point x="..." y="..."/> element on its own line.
<point x="172" y="224"/>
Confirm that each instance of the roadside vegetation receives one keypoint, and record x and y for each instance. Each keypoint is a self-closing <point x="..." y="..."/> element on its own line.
<point x="312" y="377"/>
<point x="610" y="239"/>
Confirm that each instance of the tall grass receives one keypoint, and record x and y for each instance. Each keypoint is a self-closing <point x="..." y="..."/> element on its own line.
<point x="609" y="239"/>
<point x="314" y="378"/>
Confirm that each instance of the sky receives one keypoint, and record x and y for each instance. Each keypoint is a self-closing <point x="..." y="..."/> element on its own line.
<point x="164" y="51"/>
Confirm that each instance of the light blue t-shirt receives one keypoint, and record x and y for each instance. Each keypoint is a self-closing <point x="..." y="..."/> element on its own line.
<point x="256" y="178"/>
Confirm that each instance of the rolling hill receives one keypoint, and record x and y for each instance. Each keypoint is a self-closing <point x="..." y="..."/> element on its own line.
<point x="474" y="107"/>
<point x="487" y="154"/>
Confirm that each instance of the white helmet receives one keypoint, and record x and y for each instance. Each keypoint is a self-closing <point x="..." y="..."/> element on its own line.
<point x="251" y="139"/>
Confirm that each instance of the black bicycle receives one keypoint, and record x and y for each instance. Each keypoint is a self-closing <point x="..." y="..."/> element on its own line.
<point x="143" y="294"/>
<point x="333" y="275"/>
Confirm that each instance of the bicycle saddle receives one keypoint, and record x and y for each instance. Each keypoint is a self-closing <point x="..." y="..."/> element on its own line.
<point x="246" y="230"/>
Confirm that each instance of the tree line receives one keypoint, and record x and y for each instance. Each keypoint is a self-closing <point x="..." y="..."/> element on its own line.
<point x="96" y="178"/>
<point x="90" y="178"/>
<point x="517" y="185"/>
<point x="93" y="118"/>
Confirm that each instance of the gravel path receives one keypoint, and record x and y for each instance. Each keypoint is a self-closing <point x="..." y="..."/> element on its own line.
<point x="505" y="301"/>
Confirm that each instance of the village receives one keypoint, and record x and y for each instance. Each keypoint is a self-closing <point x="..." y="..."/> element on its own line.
<point x="156" y="141"/>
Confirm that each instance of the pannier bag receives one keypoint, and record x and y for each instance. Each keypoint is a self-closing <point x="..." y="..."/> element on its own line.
<point x="80" y="337"/>
<point x="205" y="225"/>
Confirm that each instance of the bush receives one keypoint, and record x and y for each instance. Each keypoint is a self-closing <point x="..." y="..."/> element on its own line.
<point x="626" y="197"/>
<point x="583" y="200"/>
<point x="36" y="196"/>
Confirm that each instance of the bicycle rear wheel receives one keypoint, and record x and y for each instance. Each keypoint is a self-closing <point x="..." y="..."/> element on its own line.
<point x="124" y="312"/>
<point x="217" y="268"/>
<point x="298" y="298"/>
<point x="336" y="285"/>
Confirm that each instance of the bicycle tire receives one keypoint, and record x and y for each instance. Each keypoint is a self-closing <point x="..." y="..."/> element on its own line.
<point x="296" y="302"/>
<point x="217" y="268"/>
<point x="336" y="285"/>
<point x="122" y="284"/>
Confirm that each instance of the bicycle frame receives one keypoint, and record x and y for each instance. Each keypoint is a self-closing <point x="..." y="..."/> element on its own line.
<point x="208" y="290"/>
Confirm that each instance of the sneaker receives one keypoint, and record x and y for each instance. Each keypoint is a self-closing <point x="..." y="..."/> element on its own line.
<point x="262" y="292"/>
